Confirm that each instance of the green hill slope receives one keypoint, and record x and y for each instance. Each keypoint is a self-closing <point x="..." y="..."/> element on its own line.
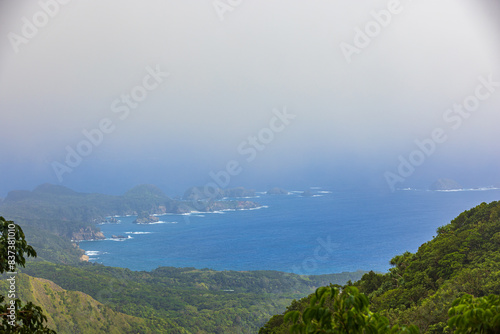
<point x="464" y="257"/>
<point x="200" y="301"/>
<point x="75" y="312"/>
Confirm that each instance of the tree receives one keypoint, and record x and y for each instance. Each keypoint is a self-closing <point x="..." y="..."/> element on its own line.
<point x="16" y="318"/>
<point x="475" y="315"/>
<point x="334" y="311"/>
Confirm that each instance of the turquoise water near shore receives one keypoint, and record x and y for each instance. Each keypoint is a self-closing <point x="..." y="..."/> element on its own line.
<point x="331" y="232"/>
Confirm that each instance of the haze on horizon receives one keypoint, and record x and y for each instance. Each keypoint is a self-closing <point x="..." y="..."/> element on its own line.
<point x="235" y="70"/>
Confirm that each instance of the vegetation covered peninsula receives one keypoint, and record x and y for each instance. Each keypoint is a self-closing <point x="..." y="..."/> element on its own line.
<point x="74" y="215"/>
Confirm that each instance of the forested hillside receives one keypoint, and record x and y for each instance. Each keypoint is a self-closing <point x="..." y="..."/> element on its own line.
<point x="73" y="311"/>
<point x="199" y="301"/>
<point x="463" y="258"/>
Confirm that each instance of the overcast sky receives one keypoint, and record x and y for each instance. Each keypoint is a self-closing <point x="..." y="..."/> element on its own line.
<point x="358" y="93"/>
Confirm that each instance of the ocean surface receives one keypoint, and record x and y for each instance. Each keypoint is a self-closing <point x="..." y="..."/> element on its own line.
<point x="331" y="232"/>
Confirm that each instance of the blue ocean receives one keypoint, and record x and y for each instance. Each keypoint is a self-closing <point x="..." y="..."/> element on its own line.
<point x="331" y="232"/>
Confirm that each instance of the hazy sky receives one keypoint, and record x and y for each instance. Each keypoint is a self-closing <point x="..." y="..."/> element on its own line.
<point x="360" y="81"/>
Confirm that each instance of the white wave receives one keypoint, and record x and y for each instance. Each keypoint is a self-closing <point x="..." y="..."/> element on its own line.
<point x="94" y="257"/>
<point x="324" y="192"/>
<point x="198" y="215"/>
<point x="258" y="208"/>
<point x="451" y="190"/>
<point x="317" y="195"/>
<point x="201" y="213"/>
<point x="161" y="222"/>
<point x="191" y="213"/>
<point x="231" y="210"/>
<point x="470" y="189"/>
<point x="482" y="189"/>
<point x="92" y="253"/>
<point x="119" y="239"/>
<point x="221" y="212"/>
<point x="138" y="232"/>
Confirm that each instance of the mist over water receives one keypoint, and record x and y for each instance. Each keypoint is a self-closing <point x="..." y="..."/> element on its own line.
<point x="104" y="97"/>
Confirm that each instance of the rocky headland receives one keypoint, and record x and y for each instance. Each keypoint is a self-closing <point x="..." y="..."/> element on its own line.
<point x="445" y="184"/>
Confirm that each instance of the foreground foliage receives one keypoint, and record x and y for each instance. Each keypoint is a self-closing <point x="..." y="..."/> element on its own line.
<point x="16" y="318"/>
<point x="333" y="311"/>
<point x="475" y="315"/>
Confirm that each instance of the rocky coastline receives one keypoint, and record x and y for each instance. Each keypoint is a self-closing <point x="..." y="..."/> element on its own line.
<point x="88" y="233"/>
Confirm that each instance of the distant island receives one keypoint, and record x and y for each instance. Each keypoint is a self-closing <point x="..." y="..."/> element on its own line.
<point x="145" y="218"/>
<point x="277" y="191"/>
<point x="445" y="184"/>
<point x="307" y="193"/>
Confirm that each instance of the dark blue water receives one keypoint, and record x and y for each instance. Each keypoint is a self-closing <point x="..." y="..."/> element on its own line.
<point x="329" y="233"/>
